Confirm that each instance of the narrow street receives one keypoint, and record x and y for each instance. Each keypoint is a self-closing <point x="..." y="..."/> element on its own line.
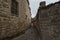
<point x="30" y="34"/>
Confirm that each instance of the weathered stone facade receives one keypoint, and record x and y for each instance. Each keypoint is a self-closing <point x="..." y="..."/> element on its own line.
<point x="15" y="17"/>
<point x="48" y="21"/>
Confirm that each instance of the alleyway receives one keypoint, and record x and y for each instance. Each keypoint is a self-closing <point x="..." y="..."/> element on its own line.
<point x="30" y="34"/>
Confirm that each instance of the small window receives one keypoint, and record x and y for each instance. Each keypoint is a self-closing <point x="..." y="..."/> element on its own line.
<point x="14" y="8"/>
<point x="26" y="16"/>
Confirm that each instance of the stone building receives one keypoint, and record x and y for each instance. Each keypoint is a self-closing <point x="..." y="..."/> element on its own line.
<point x="15" y="17"/>
<point x="48" y="21"/>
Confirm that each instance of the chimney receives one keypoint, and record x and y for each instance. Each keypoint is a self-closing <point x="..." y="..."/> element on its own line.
<point x="42" y="4"/>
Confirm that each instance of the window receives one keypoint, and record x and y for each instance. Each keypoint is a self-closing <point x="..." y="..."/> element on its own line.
<point x="14" y="8"/>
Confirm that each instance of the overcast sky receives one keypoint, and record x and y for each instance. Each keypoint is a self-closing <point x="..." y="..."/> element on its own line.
<point x="34" y="4"/>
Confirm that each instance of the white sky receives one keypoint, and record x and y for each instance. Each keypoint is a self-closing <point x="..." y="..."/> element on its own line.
<point x="34" y="4"/>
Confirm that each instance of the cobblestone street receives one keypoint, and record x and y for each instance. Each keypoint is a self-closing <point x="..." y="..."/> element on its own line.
<point x="30" y="34"/>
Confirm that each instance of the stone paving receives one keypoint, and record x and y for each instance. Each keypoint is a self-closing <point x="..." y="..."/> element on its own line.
<point x="30" y="34"/>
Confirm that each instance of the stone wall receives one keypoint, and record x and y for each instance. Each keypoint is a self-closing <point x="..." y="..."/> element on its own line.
<point x="11" y="25"/>
<point x="48" y="19"/>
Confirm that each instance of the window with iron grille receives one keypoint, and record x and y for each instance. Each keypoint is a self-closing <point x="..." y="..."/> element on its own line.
<point x="14" y="8"/>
